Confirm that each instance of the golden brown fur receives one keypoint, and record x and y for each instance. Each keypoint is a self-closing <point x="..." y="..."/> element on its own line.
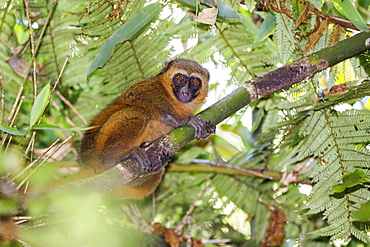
<point x="144" y="112"/>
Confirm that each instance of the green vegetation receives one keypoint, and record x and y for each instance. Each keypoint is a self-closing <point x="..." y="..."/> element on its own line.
<point x="289" y="169"/>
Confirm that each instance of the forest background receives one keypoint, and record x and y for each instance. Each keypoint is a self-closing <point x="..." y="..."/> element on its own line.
<point x="290" y="169"/>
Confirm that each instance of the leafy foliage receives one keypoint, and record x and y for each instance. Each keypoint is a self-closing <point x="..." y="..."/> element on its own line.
<point x="364" y="60"/>
<point x="338" y="146"/>
<point x="300" y="138"/>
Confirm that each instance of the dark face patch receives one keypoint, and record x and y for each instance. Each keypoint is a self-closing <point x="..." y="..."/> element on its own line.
<point x="186" y="88"/>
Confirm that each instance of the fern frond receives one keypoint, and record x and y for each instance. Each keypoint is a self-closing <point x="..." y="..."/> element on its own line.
<point x="235" y="44"/>
<point x="130" y="61"/>
<point x="297" y="131"/>
<point x="328" y="136"/>
<point x="285" y="40"/>
<point x="335" y="35"/>
<point x="342" y="229"/>
<point x="7" y="47"/>
<point x="314" y="38"/>
<point x="97" y="19"/>
<point x="365" y="61"/>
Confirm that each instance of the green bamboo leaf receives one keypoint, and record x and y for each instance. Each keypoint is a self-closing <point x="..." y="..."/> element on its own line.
<point x="267" y="27"/>
<point x="225" y="12"/>
<point x="364" y="213"/>
<point x="350" y="180"/>
<point x="40" y="104"/>
<point x="10" y="130"/>
<point x="21" y="34"/>
<point x="364" y="4"/>
<point x="189" y="155"/>
<point x="351" y="13"/>
<point x="129" y="30"/>
<point x="55" y="127"/>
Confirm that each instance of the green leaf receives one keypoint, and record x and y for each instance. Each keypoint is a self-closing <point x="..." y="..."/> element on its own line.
<point x="225" y="12"/>
<point x="21" y="33"/>
<point x="351" y="13"/>
<point x="40" y="104"/>
<point x="267" y="27"/>
<point x="350" y="180"/>
<point x="364" y="213"/>
<point x="7" y="206"/>
<point x="188" y="156"/>
<point x="55" y="127"/>
<point x="364" y="59"/>
<point x="225" y="148"/>
<point x="129" y="30"/>
<point x="10" y="130"/>
<point x="364" y="4"/>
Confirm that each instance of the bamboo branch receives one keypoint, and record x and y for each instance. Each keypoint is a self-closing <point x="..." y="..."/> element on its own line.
<point x="274" y="81"/>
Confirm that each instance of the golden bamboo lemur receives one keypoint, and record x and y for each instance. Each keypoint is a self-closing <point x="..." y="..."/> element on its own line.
<point x="145" y="111"/>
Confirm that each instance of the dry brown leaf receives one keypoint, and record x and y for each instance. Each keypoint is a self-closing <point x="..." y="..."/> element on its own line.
<point x="19" y="65"/>
<point x="338" y="89"/>
<point x="58" y="153"/>
<point x="207" y="16"/>
<point x="8" y="229"/>
<point x="275" y="232"/>
<point x="169" y="235"/>
<point x="173" y="239"/>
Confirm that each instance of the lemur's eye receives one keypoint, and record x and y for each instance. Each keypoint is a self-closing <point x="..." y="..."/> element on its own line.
<point x="196" y="82"/>
<point x="178" y="78"/>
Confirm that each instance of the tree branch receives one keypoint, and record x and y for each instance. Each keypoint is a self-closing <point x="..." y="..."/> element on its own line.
<point x="207" y="166"/>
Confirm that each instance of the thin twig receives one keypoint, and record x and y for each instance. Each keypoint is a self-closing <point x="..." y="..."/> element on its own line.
<point x="58" y="79"/>
<point x="186" y="218"/>
<point x="154" y="207"/>
<point x="15" y="110"/>
<point x="2" y="107"/>
<point x="8" y="144"/>
<point x="69" y="104"/>
<point x="30" y="144"/>
<point x="251" y="172"/>
<point x="6" y="44"/>
<point x="33" y="51"/>
<point x="33" y="162"/>
<point x="135" y="216"/>
<point x="67" y="118"/>
<point x="33" y="58"/>
<point x="44" y="160"/>
<point x="32" y="140"/>
<point x="5" y="11"/>
<point x="12" y="114"/>
<point x="216" y="241"/>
